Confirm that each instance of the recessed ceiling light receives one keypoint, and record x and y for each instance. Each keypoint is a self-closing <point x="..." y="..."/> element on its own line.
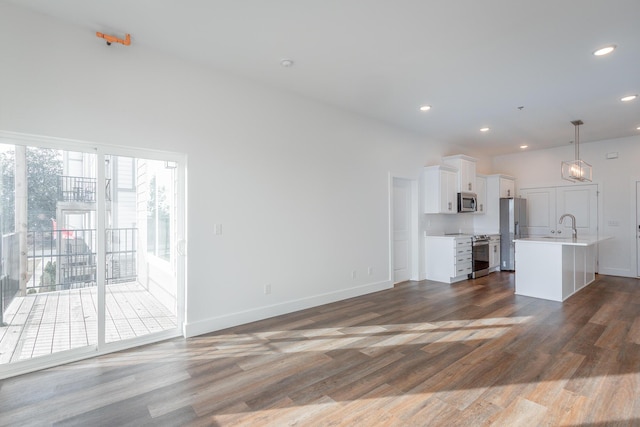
<point x="605" y="50"/>
<point x="638" y="128"/>
<point x="628" y="98"/>
<point x="484" y="129"/>
<point x="425" y="108"/>
<point x="286" y="63"/>
<point x="524" y="146"/>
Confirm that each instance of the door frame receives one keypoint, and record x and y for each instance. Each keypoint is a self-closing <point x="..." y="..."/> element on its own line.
<point x="102" y="348"/>
<point x="414" y="254"/>
<point x="635" y="207"/>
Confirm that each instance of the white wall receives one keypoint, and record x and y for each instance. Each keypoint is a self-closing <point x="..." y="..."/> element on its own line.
<point x="616" y="180"/>
<point x="301" y="189"/>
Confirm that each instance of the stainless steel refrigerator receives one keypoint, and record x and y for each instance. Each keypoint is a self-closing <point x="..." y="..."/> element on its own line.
<point x="513" y="225"/>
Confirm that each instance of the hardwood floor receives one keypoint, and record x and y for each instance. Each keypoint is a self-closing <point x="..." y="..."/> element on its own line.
<point x="423" y="353"/>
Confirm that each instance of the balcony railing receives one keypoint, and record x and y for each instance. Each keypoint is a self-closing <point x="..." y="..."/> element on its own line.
<point x="80" y="189"/>
<point x="66" y="259"/>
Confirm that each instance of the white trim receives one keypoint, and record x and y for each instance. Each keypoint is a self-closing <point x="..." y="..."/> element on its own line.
<point x="242" y="317"/>
<point x="390" y="246"/>
<point x="101" y="255"/>
<point x="634" y="245"/>
<point x="415" y="226"/>
<point x="181" y="241"/>
<point x="7" y="137"/>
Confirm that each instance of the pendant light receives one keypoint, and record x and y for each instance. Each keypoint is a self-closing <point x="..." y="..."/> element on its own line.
<point x="576" y="170"/>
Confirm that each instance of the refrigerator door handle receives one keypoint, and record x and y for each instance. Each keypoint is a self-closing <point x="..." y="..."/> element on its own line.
<point x="517" y="230"/>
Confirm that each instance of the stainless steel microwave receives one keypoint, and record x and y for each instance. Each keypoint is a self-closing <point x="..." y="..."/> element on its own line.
<point x="467" y="202"/>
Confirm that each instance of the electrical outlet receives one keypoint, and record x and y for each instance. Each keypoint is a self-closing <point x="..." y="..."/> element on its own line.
<point x="353" y="274"/>
<point x="267" y="289"/>
<point x="370" y="271"/>
<point x="217" y="229"/>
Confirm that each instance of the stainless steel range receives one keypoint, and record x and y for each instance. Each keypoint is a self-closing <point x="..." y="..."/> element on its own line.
<point x="480" y="255"/>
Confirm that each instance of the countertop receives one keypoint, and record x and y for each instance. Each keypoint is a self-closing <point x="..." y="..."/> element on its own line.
<point x="549" y="240"/>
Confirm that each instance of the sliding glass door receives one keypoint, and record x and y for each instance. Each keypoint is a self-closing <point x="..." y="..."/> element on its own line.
<point x="48" y="248"/>
<point x="141" y="274"/>
<point x="88" y="259"/>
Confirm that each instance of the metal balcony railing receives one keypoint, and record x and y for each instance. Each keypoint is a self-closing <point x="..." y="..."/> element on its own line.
<point x="66" y="259"/>
<point x="80" y="189"/>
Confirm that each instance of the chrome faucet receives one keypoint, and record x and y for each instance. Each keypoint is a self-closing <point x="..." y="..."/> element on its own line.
<point x="574" y="230"/>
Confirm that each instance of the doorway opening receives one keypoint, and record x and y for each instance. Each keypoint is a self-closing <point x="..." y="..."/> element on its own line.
<point x="404" y="252"/>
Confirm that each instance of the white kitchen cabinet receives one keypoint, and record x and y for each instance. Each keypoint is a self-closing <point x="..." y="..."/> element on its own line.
<point x="481" y="192"/>
<point x="507" y="186"/>
<point x="439" y="185"/>
<point x="466" y="172"/>
<point x="545" y="206"/>
<point x="490" y="221"/>
<point x="494" y="252"/>
<point x="448" y="258"/>
<point x="569" y="265"/>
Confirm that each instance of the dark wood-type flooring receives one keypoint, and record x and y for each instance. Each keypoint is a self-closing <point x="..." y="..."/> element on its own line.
<point x="423" y="353"/>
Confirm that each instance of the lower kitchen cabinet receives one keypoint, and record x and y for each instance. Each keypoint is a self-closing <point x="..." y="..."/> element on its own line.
<point x="494" y="252"/>
<point x="448" y="258"/>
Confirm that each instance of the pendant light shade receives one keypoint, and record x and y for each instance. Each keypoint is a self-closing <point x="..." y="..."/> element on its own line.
<point x="576" y="170"/>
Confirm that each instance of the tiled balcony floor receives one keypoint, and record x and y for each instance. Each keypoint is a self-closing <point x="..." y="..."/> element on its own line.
<point x="45" y="323"/>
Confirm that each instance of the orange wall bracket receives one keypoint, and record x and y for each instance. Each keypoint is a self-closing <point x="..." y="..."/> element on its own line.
<point x="114" y="39"/>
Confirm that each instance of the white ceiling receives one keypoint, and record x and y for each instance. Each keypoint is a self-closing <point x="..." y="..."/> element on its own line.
<point x="474" y="61"/>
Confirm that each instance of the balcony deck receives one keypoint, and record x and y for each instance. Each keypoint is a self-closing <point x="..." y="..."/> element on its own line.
<point x="45" y="323"/>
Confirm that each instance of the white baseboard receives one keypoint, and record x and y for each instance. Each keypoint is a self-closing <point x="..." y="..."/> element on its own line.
<point x="239" y="318"/>
<point x="622" y="272"/>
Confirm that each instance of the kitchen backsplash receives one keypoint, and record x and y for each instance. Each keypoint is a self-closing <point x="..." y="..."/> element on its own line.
<point x="434" y="224"/>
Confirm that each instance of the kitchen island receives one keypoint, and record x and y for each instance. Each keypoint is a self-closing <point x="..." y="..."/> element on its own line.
<point x="555" y="268"/>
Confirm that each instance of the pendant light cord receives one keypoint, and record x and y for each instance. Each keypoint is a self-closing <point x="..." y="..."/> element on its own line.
<point x="577" y="142"/>
<point x="577" y="124"/>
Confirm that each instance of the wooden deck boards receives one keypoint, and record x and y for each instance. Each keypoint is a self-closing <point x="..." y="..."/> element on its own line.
<point x="45" y="323"/>
<point x="423" y="353"/>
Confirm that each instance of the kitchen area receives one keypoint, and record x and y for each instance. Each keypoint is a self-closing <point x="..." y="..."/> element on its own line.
<point x="476" y="224"/>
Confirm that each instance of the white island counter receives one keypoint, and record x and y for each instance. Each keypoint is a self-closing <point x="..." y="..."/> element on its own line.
<point x="555" y="268"/>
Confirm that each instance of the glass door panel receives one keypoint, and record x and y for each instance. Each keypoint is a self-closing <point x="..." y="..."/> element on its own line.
<point x="47" y="251"/>
<point x="141" y="281"/>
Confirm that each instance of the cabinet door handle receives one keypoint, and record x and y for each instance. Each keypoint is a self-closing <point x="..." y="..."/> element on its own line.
<point x="509" y="193"/>
<point x="449" y="205"/>
<point x="469" y="186"/>
<point x="481" y="207"/>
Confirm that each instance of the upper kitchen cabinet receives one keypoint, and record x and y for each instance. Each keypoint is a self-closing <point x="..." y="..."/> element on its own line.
<point x="546" y="205"/>
<point x="466" y="172"/>
<point x="507" y="186"/>
<point x="481" y="192"/>
<point x="440" y="187"/>
<point x="497" y="186"/>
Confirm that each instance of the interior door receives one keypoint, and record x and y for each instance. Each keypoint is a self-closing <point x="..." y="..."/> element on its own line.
<point x="401" y="230"/>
